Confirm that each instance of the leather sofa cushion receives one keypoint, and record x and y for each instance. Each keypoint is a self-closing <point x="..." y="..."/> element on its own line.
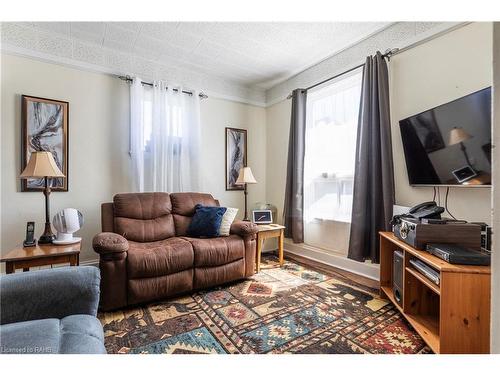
<point x="184" y="203"/>
<point x="209" y="252"/>
<point x="143" y="217"/>
<point x="145" y="230"/>
<point x="205" y="277"/>
<point x="152" y="259"/>
<point x="183" y="208"/>
<point x="156" y="288"/>
<point x="206" y="221"/>
<point x="181" y="224"/>
<point x="142" y="206"/>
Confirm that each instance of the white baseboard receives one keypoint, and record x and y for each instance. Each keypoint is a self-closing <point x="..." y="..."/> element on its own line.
<point x="92" y="262"/>
<point x="371" y="271"/>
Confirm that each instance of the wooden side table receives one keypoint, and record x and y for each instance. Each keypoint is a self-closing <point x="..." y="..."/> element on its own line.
<point x="41" y="255"/>
<point x="269" y="231"/>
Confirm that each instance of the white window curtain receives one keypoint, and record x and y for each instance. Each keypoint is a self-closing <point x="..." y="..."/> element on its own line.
<point x="165" y="138"/>
<point x="331" y="131"/>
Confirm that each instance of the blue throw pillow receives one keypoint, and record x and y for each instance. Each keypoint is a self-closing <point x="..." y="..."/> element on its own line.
<point x="206" y="221"/>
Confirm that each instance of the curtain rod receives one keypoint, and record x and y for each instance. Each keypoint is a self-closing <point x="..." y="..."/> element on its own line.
<point x="129" y="80"/>
<point x="388" y="53"/>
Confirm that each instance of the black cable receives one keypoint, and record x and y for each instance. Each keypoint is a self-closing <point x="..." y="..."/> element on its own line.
<point x="434" y="196"/>
<point x="439" y="196"/>
<point x="446" y="203"/>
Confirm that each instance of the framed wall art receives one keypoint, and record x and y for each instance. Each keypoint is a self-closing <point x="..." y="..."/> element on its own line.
<point x="236" y="156"/>
<point x="45" y="128"/>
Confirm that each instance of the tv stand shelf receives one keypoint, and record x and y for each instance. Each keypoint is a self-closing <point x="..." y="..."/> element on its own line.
<point x="453" y="317"/>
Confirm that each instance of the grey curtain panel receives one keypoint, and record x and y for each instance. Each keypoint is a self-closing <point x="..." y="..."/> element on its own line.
<point x="293" y="211"/>
<point x="374" y="174"/>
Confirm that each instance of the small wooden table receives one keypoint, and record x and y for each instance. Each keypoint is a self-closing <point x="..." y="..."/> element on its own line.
<point x="270" y="231"/>
<point x="41" y="255"/>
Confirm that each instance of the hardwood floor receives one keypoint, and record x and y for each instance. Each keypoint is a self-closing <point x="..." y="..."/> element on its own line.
<point x="373" y="285"/>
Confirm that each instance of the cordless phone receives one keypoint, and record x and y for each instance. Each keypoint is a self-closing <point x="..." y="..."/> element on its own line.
<point x="30" y="234"/>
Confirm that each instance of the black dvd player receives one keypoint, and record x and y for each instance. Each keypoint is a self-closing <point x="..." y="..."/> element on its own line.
<point x="456" y="254"/>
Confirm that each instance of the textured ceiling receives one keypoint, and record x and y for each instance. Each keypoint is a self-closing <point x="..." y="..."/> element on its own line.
<point x="257" y="55"/>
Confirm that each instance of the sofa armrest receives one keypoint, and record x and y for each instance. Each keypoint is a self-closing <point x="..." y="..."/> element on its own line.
<point x="109" y="243"/>
<point x="50" y="293"/>
<point x="243" y="228"/>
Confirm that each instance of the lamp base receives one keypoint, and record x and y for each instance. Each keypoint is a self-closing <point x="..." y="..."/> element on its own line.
<point x="46" y="239"/>
<point x="47" y="236"/>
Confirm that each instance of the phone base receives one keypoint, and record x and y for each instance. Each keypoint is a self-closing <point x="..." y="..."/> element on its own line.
<point x="29" y="244"/>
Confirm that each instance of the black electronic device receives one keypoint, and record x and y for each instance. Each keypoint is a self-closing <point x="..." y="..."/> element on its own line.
<point x="426" y="270"/>
<point x="450" y="144"/>
<point x="428" y="210"/>
<point x="262" y="216"/>
<point x="433" y="221"/>
<point x="456" y="254"/>
<point x="485" y="236"/>
<point x="397" y="276"/>
<point x="30" y="235"/>
<point x="425" y="210"/>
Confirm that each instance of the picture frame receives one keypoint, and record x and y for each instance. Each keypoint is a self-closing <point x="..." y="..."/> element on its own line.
<point x="236" y="156"/>
<point x="262" y="216"/>
<point x="45" y="127"/>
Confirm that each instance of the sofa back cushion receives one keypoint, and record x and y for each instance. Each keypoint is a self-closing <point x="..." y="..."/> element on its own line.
<point x="206" y="221"/>
<point x="183" y="208"/>
<point x="143" y="217"/>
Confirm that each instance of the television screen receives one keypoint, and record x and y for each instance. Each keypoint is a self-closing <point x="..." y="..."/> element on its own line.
<point x="450" y="144"/>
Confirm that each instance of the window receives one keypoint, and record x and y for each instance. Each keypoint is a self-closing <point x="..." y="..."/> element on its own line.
<point x="172" y="130"/>
<point x="165" y="138"/>
<point x="331" y="131"/>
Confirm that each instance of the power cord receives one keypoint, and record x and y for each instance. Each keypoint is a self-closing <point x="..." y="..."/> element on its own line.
<point x="434" y="196"/>
<point x="446" y="203"/>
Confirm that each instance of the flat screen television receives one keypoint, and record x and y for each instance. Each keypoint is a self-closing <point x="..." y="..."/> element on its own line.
<point x="450" y="144"/>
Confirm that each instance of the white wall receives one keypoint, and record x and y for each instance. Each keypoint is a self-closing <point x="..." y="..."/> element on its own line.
<point x="98" y="142"/>
<point x="495" y="259"/>
<point x="434" y="73"/>
<point x="216" y="115"/>
<point x="277" y="132"/>
<point x="98" y="149"/>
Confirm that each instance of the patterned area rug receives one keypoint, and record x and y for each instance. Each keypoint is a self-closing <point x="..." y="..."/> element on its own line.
<point x="292" y="309"/>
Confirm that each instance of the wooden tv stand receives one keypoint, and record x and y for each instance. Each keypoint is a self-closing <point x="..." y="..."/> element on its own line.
<point x="453" y="317"/>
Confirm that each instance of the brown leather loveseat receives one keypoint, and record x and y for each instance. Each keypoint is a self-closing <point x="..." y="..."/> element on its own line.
<point x="145" y="254"/>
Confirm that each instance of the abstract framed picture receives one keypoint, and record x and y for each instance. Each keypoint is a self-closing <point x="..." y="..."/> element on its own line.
<point x="236" y="156"/>
<point x="45" y="128"/>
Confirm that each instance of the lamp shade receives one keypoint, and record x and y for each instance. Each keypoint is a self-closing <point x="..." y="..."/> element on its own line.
<point x="458" y="135"/>
<point x="245" y="177"/>
<point x="41" y="164"/>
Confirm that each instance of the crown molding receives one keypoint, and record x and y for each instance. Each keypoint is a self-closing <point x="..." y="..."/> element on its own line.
<point x="397" y="35"/>
<point x="402" y="35"/>
<point x="14" y="42"/>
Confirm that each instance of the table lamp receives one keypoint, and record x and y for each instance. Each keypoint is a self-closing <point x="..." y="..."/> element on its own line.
<point x="459" y="135"/>
<point x="43" y="165"/>
<point x="245" y="177"/>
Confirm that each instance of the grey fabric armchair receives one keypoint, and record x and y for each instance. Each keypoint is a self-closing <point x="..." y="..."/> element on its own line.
<point x="51" y="311"/>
